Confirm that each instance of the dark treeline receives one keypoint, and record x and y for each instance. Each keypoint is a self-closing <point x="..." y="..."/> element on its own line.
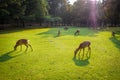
<point x="21" y="13"/>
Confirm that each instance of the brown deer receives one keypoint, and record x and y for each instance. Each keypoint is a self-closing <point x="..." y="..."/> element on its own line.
<point x="21" y="42"/>
<point x="113" y="34"/>
<point x="77" y="32"/>
<point x="65" y="28"/>
<point x="83" y="45"/>
<point x="58" y="32"/>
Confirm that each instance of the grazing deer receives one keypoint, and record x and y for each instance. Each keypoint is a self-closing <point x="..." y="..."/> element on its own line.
<point x="113" y="34"/>
<point x="77" y="32"/>
<point x="83" y="45"/>
<point x="58" y="32"/>
<point x="65" y="28"/>
<point x="21" y="42"/>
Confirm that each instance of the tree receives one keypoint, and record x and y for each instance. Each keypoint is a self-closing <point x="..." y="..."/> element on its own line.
<point x="81" y="12"/>
<point x="36" y="8"/>
<point x="11" y="10"/>
<point x="58" y="8"/>
<point x="112" y="11"/>
<point x="19" y="11"/>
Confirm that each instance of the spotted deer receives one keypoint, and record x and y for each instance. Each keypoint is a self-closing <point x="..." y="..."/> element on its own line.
<point x="83" y="45"/>
<point x="21" y="42"/>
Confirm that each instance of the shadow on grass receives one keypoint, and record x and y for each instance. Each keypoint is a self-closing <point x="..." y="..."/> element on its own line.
<point x="79" y="62"/>
<point x="54" y="32"/>
<point x="6" y="31"/>
<point x="11" y="30"/>
<point x="115" y="41"/>
<point x="118" y="32"/>
<point x="6" y="56"/>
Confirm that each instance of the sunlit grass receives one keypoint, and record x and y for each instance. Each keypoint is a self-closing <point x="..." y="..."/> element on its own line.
<point x="52" y="58"/>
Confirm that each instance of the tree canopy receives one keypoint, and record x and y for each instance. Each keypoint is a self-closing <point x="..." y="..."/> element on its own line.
<point x="81" y="13"/>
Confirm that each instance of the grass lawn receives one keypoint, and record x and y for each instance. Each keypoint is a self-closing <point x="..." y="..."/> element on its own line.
<point x="52" y="58"/>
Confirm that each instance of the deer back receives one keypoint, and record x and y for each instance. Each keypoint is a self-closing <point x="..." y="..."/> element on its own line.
<point x="22" y="41"/>
<point x="84" y="44"/>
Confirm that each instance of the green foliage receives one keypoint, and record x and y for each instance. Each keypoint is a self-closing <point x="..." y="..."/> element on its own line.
<point x="57" y="7"/>
<point x="4" y="12"/>
<point x="52" y="19"/>
<point x="112" y="11"/>
<point x="22" y="10"/>
<point x="11" y="10"/>
<point x="52" y="58"/>
<point x="37" y="7"/>
<point x="29" y="18"/>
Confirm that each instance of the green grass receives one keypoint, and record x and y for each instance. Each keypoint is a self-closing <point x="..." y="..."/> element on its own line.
<point x="52" y="58"/>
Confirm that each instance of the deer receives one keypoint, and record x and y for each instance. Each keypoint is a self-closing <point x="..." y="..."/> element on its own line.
<point x="113" y="34"/>
<point x="83" y="45"/>
<point x="65" y="28"/>
<point x="77" y="32"/>
<point x="58" y="32"/>
<point x="21" y="42"/>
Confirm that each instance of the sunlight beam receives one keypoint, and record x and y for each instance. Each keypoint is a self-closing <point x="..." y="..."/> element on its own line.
<point x="93" y="11"/>
<point x="72" y="1"/>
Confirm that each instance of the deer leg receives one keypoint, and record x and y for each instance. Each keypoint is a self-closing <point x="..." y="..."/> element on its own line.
<point x="83" y="53"/>
<point x="75" y="52"/>
<point x="26" y="47"/>
<point x="20" y="47"/>
<point x="15" y="47"/>
<point x="79" y="52"/>
<point x="89" y="51"/>
<point x="30" y="47"/>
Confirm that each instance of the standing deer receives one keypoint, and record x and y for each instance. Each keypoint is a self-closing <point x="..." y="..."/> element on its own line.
<point x="21" y="42"/>
<point x="113" y="34"/>
<point x="77" y="32"/>
<point x="83" y="45"/>
<point x="58" y="32"/>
